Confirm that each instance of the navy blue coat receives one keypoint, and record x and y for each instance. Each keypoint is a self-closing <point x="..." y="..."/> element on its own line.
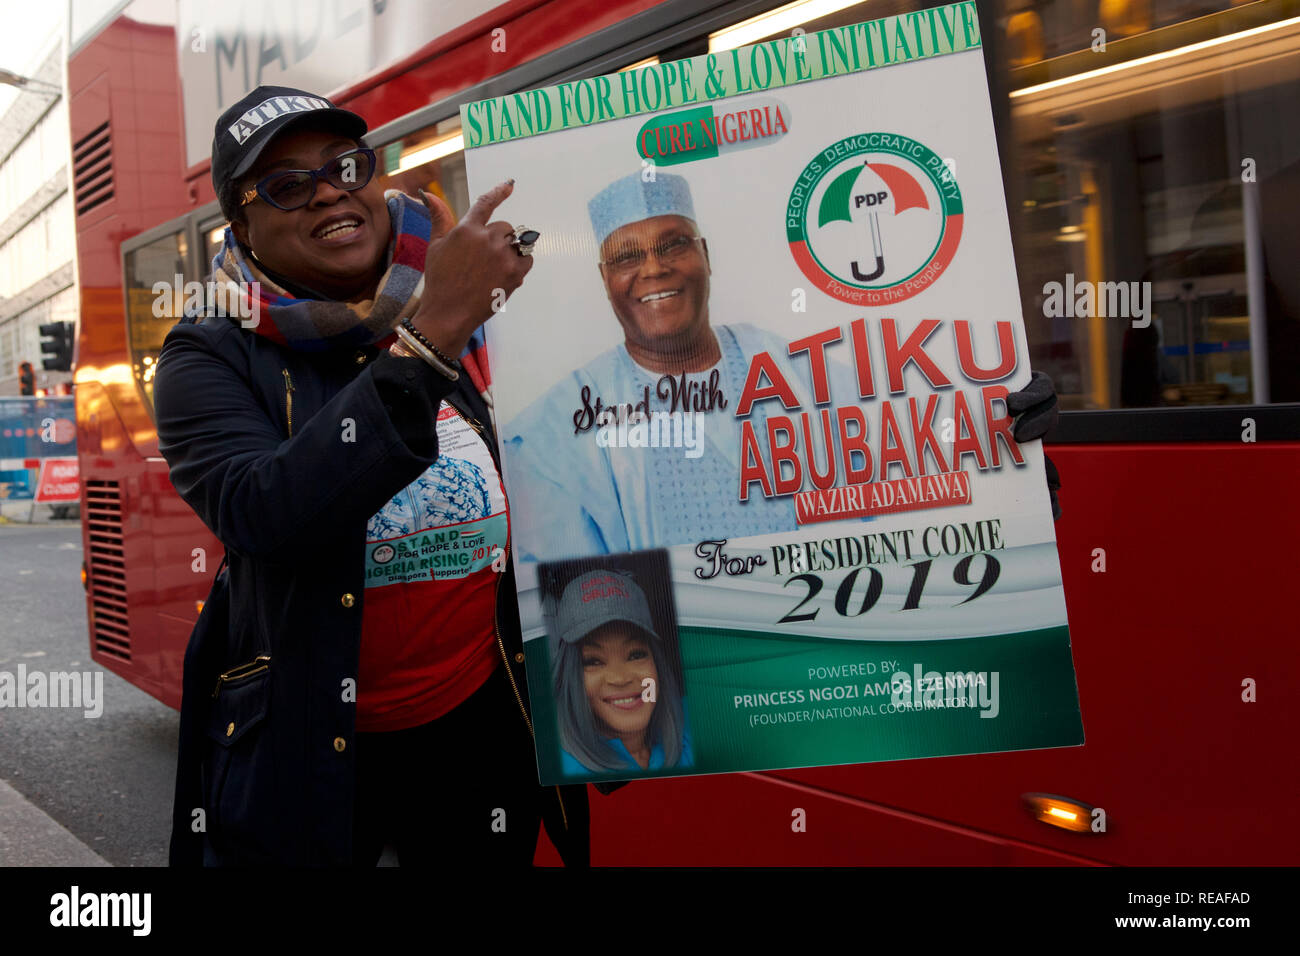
<point x="254" y="436"/>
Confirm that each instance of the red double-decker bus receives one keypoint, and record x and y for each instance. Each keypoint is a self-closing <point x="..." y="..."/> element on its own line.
<point x="1142" y="144"/>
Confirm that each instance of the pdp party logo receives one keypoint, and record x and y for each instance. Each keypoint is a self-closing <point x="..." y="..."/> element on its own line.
<point x="874" y="218"/>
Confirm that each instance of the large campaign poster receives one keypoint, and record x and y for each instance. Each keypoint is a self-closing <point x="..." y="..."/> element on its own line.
<point x="766" y="506"/>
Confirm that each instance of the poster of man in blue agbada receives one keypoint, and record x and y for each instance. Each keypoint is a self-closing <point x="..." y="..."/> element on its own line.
<point x="767" y="506"/>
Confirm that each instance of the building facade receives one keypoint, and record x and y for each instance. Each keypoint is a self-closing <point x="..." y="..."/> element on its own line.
<point x="37" y="282"/>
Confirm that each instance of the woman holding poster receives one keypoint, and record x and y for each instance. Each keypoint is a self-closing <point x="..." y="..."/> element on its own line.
<point x="355" y="679"/>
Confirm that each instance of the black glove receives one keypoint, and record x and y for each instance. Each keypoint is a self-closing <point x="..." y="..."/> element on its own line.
<point x="1035" y="410"/>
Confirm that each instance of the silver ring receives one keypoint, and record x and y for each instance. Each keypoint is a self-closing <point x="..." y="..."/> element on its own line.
<point x="524" y="239"/>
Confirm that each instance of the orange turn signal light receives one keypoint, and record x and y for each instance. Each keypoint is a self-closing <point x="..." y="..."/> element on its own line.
<point x="1059" y="811"/>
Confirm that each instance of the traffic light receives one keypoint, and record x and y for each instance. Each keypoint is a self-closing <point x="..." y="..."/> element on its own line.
<point x="26" y="379"/>
<point x="56" y="343"/>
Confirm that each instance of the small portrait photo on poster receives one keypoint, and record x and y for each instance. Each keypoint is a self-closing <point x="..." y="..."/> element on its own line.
<point x="620" y="701"/>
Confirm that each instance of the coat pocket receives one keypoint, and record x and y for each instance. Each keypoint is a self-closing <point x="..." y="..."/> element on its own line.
<point x="237" y="780"/>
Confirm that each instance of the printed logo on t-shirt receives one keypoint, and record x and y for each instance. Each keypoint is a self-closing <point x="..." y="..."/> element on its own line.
<point x="446" y="524"/>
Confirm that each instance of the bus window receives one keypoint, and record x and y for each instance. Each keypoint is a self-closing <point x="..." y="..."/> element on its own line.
<point x="211" y="234"/>
<point x="1145" y="173"/>
<point x="149" y="316"/>
<point x="432" y="159"/>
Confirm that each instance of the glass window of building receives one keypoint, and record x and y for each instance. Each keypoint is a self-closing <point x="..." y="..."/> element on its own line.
<point x="8" y="353"/>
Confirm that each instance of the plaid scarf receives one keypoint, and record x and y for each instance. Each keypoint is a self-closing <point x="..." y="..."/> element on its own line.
<point x="315" y="325"/>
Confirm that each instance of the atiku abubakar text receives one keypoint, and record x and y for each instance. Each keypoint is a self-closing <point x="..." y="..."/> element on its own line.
<point x="855" y="439"/>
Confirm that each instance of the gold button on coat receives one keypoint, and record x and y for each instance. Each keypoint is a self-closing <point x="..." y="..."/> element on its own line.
<point x="348" y="600"/>
<point x="340" y="744"/>
<point x="361" y="358"/>
<point x="519" y="658"/>
<point x="230" y="728"/>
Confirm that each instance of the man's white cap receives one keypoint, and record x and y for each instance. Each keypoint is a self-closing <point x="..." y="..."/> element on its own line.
<point x="632" y="199"/>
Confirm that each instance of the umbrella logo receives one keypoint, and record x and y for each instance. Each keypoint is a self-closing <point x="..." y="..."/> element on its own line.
<point x="874" y="219"/>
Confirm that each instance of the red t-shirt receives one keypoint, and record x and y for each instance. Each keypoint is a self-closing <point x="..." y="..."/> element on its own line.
<point x="428" y="635"/>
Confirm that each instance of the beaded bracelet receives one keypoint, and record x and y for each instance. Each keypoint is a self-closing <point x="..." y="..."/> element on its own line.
<point x="424" y="340"/>
<point x="421" y="352"/>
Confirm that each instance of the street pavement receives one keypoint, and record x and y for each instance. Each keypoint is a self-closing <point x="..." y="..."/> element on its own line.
<point x="31" y="837"/>
<point x="73" y="789"/>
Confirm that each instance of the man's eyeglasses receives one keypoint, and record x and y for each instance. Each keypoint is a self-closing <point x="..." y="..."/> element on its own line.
<point x="293" y="188"/>
<point x="630" y="259"/>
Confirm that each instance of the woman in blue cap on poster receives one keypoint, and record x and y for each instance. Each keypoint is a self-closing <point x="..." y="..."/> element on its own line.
<point x="619" y="704"/>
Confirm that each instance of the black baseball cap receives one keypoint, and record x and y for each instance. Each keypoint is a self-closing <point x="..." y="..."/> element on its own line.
<point x="249" y="126"/>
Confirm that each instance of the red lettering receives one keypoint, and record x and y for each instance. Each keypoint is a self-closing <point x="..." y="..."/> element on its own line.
<point x="862" y="358"/>
<point x="756" y="118"/>
<point x="783" y="452"/>
<point x="763" y="364"/>
<point x="820" y="480"/>
<point x="815" y="346"/>
<point x="969" y="445"/>
<point x="854" y="443"/>
<point x="673" y="140"/>
<point x="710" y="127"/>
<point x="891" y="444"/>
<point x="594" y="589"/>
<point x="923" y="433"/>
<point x="751" y="463"/>
<point x="729" y="127"/>
<point x="966" y="353"/>
<point x="999" y="428"/>
<point x="779" y="123"/>
<point x="912" y="350"/>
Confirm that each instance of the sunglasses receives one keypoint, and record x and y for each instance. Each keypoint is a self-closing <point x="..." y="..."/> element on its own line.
<point x="293" y="188"/>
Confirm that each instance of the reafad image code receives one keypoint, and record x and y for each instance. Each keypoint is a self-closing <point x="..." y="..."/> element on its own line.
<point x="766" y="507"/>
